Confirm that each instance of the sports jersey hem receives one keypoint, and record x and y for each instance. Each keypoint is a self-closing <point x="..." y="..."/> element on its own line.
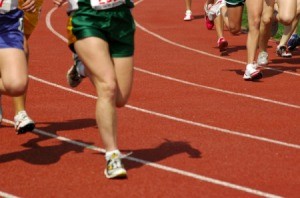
<point x="235" y="5"/>
<point x="89" y="33"/>
<point x="122" y="55"/>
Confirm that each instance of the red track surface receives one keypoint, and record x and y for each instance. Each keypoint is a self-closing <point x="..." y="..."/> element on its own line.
<point x="195" y="127"/>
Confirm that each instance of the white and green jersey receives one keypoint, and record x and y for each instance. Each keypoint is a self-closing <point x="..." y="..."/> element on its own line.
<point x="100" y="4"/>
<point x="8" y="5"/>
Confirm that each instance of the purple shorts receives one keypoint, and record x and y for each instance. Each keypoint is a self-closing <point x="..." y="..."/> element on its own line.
<point x="11" y="30"/>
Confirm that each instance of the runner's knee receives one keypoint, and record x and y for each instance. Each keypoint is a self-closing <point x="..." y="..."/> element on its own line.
<point x="285" y="19"/>
<point x="266" y="19"/>
<point x="107" y="90"/>
<point x="255" y="23"/>
<point x="121" y="102"/>
<point x="234" y="29"/>
<point x="16" y="88"/>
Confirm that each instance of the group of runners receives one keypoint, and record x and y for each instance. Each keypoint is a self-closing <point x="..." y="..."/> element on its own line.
<point x="101" y="36"/>
<point x="263" y="19"/>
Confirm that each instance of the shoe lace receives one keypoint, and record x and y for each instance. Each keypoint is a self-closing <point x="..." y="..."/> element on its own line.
<point x="20" y="117"/>
<point x="263" y="55"/>
<point x="115" y="161"/>
<point x="252" y="66"/>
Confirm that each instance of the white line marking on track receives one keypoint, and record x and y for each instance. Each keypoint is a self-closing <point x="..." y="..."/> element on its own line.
<point x="6" y="195"/>
<point x="161" y="167"/>
<point x="219" y="90"/>
<point x="48" y="21"/>
<point x="227" y="131"/>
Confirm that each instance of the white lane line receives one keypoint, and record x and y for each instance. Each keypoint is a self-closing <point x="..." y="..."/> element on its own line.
<point x="219" y="90"/>
<point x="213" y="128"/>
<point x="48" y="22"/>
<point x="161" y="167"/>
<point x="6" y="195"/>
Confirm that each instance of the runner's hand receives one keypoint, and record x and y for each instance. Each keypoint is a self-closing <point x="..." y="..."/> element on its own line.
<point x="58" y="3"/>
<point x="29" y="6"/>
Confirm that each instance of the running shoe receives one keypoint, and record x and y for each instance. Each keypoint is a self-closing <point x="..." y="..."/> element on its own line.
<point x="222" y="45"/>
<point x="293" y="42"/>
<point x="252" y="73"/>
<point x="23" y="123"/>
<point x="188" y="15"/>
<point x="114" y="167"/>
<point x="215" y="10"/>
<point x="209" y="24"/>
<point x="282" y="51"/>
<point x="263" y="58"/>
<point x="73" y="76"/>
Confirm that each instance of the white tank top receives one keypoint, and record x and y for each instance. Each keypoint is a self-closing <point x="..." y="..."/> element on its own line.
<point x="8" y="5"/>
<point x="97" y="4"/>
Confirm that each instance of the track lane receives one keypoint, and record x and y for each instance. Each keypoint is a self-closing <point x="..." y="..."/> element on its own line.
<point x="158" y="136"/>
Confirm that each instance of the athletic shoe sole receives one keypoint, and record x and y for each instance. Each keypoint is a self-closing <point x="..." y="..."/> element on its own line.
<point x="26" y="128"/>
<point x="188" y="19"/>
<point x="285" y="55"/>
<point x="117" y="174"/>
<point x="223" y="48"/>
<point x="254" y="76"/>
<point x="263" y="64"/>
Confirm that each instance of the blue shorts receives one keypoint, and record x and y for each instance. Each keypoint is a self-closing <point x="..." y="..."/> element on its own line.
<point x="11" y="30"/>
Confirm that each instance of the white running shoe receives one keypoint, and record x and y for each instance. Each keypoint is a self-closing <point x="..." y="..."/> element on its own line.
<point x="252" y="73"/>
<point x="23" y="123"/>
<point x="114" y="167"/>
<point x="215" y="10"/>
<point x="282" y="51"/>
<point x="263" y="58"/>
<point x="188" y="15"/>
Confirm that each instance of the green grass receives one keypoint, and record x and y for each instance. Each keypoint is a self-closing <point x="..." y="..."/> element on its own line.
<point x="280" y="27"/>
